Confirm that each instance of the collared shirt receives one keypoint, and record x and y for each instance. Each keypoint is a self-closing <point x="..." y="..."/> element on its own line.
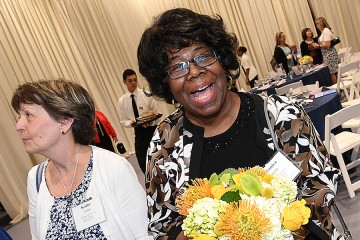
<point x="144" y="105"/>
<point x="247" y="63"/>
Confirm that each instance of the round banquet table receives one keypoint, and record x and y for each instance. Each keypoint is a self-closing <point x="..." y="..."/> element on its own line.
<point x="320" y="107"/>
<point x="320" y="73"/>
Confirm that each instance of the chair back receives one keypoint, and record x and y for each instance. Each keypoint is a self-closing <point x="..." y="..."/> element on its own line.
<point x="285" y="89"/>
<point x="336" y="119"/>
<point x="354" y="87"/>
<point x="347" y="55"/>
<point x="344" y="141"/>
<point x="341" y="58"/>
<point x="312" y="87"/>
<point x="352" y="66"/>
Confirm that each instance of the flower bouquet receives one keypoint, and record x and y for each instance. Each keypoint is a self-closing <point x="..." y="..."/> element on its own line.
<point x="306" y="60"/>
<point x="244" y="204"/>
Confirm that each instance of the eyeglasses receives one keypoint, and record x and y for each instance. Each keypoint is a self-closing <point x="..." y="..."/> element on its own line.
<point x="183" y="68"/>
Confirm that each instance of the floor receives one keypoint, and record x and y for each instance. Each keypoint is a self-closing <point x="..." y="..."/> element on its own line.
<point x="349" y="208"/>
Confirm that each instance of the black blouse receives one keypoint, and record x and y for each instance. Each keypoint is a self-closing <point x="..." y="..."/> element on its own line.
<point x="308" y="50"/>
<point x="236" y="147"/>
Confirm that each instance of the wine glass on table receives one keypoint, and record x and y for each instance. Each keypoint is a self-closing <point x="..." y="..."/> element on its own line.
<point x="305" y="92"/>
<point x="290" y="94"/>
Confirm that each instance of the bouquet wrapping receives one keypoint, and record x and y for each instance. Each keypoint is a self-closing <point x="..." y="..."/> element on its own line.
<point x="241" y="204"/>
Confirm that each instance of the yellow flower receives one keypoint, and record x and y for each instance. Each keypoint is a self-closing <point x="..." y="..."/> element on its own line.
<point x="306" y="59"/>
<point x="258" y="170"/>
<point x="236" y="178"/>
<point x="197" y="236"/>
<point x="243" y="221"/>
<point x="200" y="188"/>
<point x="267" y="193"/>
<point x="268" y="178"/>
<point x="218" y="190"/>
<point x="295" y="215"/>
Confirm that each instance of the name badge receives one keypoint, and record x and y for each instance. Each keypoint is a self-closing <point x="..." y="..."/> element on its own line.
<point x="281" y="165"/>
<point x="88" y="214"/>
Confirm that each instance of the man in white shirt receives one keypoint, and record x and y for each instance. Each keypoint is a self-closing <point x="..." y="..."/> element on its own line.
<point x="133" y="104"/>
<point x="250" y="71"/>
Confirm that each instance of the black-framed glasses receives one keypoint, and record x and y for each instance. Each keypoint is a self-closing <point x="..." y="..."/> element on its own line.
<point x="202" y="60"/>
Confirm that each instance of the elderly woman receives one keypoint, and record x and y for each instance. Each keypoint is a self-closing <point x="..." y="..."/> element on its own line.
<point x="187" y="58"/>
<point x="78" y="192"/>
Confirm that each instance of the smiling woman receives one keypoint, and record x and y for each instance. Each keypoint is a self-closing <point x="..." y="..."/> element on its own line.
<point x="187" y="58"/>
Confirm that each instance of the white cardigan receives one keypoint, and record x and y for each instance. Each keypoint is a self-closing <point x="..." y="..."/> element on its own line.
<point x="113" y="181"/>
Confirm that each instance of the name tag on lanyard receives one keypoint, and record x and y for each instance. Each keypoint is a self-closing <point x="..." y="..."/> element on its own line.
<point x="88" y="214"/>
<point x="281" y="165"/>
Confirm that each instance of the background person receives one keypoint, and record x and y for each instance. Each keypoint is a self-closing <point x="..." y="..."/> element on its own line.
<point x="330" y="55"/>
<point x="186" y="57"/>
<point x="250" y="71"/>
<point x="57" y="121"/>
<point x="282" y="53"/>
<point x="105" y="133"/>
<point x="307" y="46"/>
<point x="144" y="105"/>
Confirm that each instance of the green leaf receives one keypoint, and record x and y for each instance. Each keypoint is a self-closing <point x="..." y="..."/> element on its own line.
<point x="231" y="171"/>
<point x="214" y="179"/>
<point x="251" y="184"/>
<point x="231" y="197"/>
<point x="225" y="178"/>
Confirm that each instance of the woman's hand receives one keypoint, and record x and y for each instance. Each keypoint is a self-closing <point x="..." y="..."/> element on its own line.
<point x="315" y="45"/>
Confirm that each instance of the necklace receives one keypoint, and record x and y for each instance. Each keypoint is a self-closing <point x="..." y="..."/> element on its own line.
<point x="69" y="198"/>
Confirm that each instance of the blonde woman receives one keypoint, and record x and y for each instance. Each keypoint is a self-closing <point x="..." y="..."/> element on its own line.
<point x="330" y="55"/>
<point x="283" y="53"/>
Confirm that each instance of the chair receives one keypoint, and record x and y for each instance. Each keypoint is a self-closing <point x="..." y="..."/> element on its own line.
<point x="344" y="85"/>
<point x="284" y="89"/>
<point x="341" y="58"/>
<point x="347" y="55"/>
<point x="312" y="87"/>
<point x="344" y="141"/>
<point x="309" y="87"/>
<point x="354" y="90"/>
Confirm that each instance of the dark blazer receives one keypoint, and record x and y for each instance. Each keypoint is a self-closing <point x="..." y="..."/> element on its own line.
<point x="281" y="58"/>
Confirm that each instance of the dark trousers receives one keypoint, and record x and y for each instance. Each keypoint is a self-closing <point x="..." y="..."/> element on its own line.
<point x="142" y="140"/>
<point x="252" y="81"/>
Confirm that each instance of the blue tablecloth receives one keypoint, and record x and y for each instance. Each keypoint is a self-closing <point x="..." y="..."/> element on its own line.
<point x="320" y="107"/>
<point x="321" y="75"/>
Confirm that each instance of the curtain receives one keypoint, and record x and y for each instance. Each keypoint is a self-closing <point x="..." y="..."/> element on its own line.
<point x="343" y="18"/>
<point x="93" y="41"/>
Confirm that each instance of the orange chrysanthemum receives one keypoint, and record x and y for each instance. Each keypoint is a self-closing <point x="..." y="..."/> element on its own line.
<point x="257" y="170"/>
<point x="199" y="188"/>
<point x="243" y="221"/>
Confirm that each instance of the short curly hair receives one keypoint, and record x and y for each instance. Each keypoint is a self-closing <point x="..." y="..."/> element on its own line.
<point x="174" y="30"/>
<point x="61" y="99"/>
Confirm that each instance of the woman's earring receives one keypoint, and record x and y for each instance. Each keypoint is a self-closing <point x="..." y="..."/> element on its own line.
<point x="229" y="78"/>
<point x="61" y="130"/>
